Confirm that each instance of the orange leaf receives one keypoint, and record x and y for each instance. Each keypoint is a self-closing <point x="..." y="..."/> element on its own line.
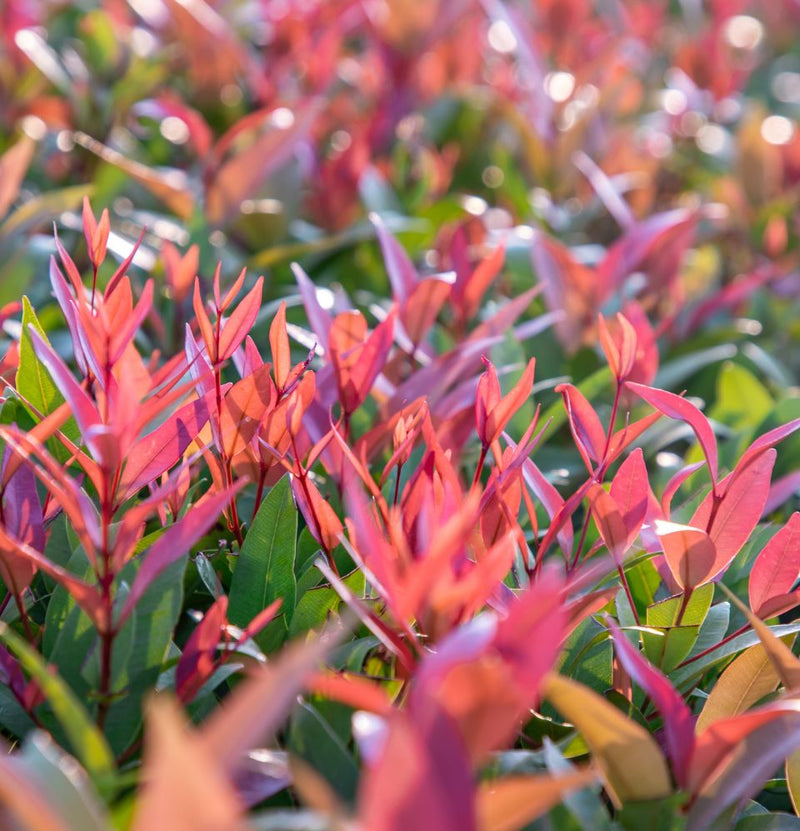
<point x="690" y="553"/>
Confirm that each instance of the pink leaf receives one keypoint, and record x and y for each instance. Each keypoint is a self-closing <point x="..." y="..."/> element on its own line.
<point x="160" y="449"/>
<point x="422" y="778"/>
<point x="674" y="406"/>
<point x="402" y="274"/>
<point x="82" y="406"/>
<point x="238" y="325"/>
<point x="776" y="569"/>
<point x="319" y="318"/>
<point x="768" y="440"/>
<point x="197" y="662"/>
<point x="674" y="483"/>
<point x="630" y="489"/>
<point x="731" y="522"/>
<point x="609" y="522"/>
<point x="586" y="427"/>
<point x="734" y="757"/>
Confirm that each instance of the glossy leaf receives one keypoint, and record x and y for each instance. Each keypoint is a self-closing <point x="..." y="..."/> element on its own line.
<point x="632" y="764"/>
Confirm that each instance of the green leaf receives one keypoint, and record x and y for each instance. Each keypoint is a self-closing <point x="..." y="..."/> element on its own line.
<point x="655" y="815"/>
<point x="316" y="604"/>
<point x="713" y="629"/>
<point x="140" y="649"/>
<point x="585" y="805"/>
<point x="768" y="822"/>
<point x="742" y="400"/>
<point x="679" y="633"/>
<point x="12" y="717"/>
<point x="313" y="739"/>
<point x="588" y="656"/>
<point x="35" y="384"/>
<point x="65" y="784"/>
<point x="33" y="380"/>
<point x="686" y="676"/>
<point x="87" y="741"/>
<point x="265" y="567"/>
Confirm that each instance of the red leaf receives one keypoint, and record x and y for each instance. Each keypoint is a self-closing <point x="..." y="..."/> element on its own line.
<point x="86" y="596"/>
<point x="674" y="483"/>
<point x="352" y="690"/>
<point x="356" y="357"/>
<point x="203" y="322"/>
<point x="487" y="673"/>
<point x="733" y="757"/>
<point x="674" y="406"/>
<point x="609" y="522"/>
<point x="546" y="493"/>
<point x="738" y="512"/>
<point x="279" y="344"/>
<point x="197" y="663"/>
<point x="96" y="233"/>
<point x="323" y="523"/>
<point x="236" y="328"/>
<point x="620" y="352"/>
<point x="775" y="571"/>
<point x="467" y="293"/>
<point x="767" y="441"/>
<point x="678" y="718"/>
<point x="502" y="412"/>
<point x="22" y="519"/>
<point x="82" y="406"/>
<point x="123" y="331"/>
<point x="422" y="779"/>
<point x="630" y="490"/>
<point x="244" y="408"/>
<point x="160" y="449"/>
<point x="179" y="270"/>
<point x="486" y="399"/>
<point x="584" y="423"/>
<point x="419" y="312"/>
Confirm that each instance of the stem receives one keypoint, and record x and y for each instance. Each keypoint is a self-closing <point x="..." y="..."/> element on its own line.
<point x="302" y="474"/>
<point x="479" y="468"/>
<point x="23" y="616"/>
<point x="397" y="484"/>
<point x="687" y="596"/>
<point x="107" y="634"/>
<point x="614" y="410"/>
<point x="710" y="649"/>
<point x="626" y="586"/>
<point x="259" y="493"/>
<point x="94" y="284"/>
<point x="581" y="542"/>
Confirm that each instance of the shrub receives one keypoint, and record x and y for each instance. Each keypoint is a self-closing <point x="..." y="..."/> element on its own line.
<point x="301" y="552"/>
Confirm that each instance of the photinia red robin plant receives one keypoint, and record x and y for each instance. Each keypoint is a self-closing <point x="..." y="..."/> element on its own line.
<point x="411" y="438"/>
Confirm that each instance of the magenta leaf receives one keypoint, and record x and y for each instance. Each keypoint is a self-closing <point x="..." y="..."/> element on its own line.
<point x="160" y="449"/>
<point x="674" y="406"/>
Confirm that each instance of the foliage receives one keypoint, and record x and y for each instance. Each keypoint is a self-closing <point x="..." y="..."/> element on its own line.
<point x="298" y="551"/>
